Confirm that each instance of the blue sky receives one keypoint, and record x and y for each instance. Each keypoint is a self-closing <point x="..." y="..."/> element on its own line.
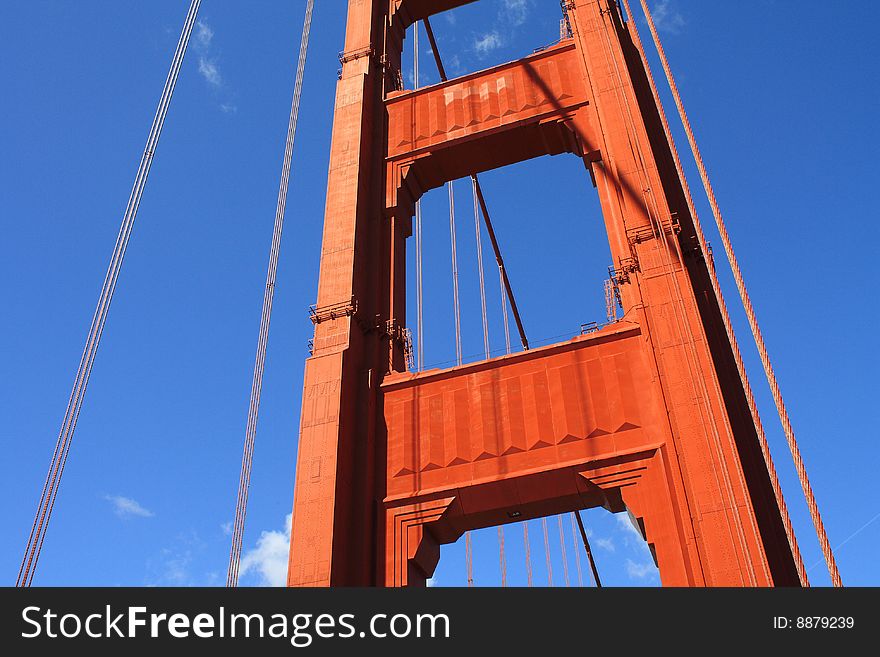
<point x="783" y="98"/>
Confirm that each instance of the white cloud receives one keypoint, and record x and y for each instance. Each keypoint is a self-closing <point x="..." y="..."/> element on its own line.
<point x="208" y="70"/>
<point x="487" y="43"/>
<point x="667" y="18"/>
<point x="125" y="507"/>
<point x="227" y="528"/>
<point x="269" y="558"/>
<point x="228" y="108"/>
<point x="204" y="35"/>
<point x="606" y="544"/>
<point x="516" y="11"/>
<point x="639" y="570"/>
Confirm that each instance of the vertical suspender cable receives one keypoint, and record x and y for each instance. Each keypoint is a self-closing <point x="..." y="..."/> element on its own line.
<point x="502" y="559"/>
<point x="577" y="552"/>
<point x="528" y="552"/>
<point x="504" y="318"/>
<point x="486" y="347"/>
<point x="456" y="305"/>
<point x="505" y="280"/>
<point x="479" y="240"/>
<point x="469" y="558"/>
<point x="265" y="319"/>
<point x="562" y="550"/>
<point x="420" y="349"/>
<point x="547" y="551"/>
<point x="68" y="426"/>
<point x="750" y="314"/>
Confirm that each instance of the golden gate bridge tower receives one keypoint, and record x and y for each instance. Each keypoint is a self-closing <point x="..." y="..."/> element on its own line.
<point x="649" y="414"/>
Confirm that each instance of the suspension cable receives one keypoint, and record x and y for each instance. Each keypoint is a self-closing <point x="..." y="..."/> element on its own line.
<point x="482" y="201"/>
<point x="528" y="549"/>
<point x="479" y="243"/>
<point x="71" y="415"/>
<point x="562" y="550"/>
<point x="266" y="316"/>
<point x="456" y="302"/>
<point x="725" y="315"/>
<point x="502" y="270"/>
<point x="504" y="318"/>
<point x="420" y="350"/>
<point x="750" y="312"/>
<point x="547" y="551"/>
<point x="502" y="559"/>
<point x="469" y="558"/>
<point x="577" y="552"/>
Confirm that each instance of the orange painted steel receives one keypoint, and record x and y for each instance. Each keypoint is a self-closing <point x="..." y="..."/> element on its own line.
<point x="648" y="415"/>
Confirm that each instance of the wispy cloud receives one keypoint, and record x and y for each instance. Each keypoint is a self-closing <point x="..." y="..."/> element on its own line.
<point x="204" y="35"/>
<point x="269" y="558"/>
<point x="181" y="563"/>
<point x="667" y="18"/>
<point x="208" y="69"/>
<point x="486" y="43"/>
<point x="125" y="507"/>
<point x="210" y="72"/>
<point x="516" y="11"/>
<point x="606" y="544"/>
<point x="226" y="527"/>
<point x="640" y="570"/>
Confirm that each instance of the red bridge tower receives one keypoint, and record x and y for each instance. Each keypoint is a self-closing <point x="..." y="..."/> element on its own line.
<point x="647" y="415"/>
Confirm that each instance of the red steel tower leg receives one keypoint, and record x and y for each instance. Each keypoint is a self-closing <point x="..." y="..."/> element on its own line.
<point x="646" y="416"/>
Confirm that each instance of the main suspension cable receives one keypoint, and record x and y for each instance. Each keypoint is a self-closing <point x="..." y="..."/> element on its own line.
<point x="266" y="316"/>
<point x="750" y="312"/>
<point x="74" y="405"/>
